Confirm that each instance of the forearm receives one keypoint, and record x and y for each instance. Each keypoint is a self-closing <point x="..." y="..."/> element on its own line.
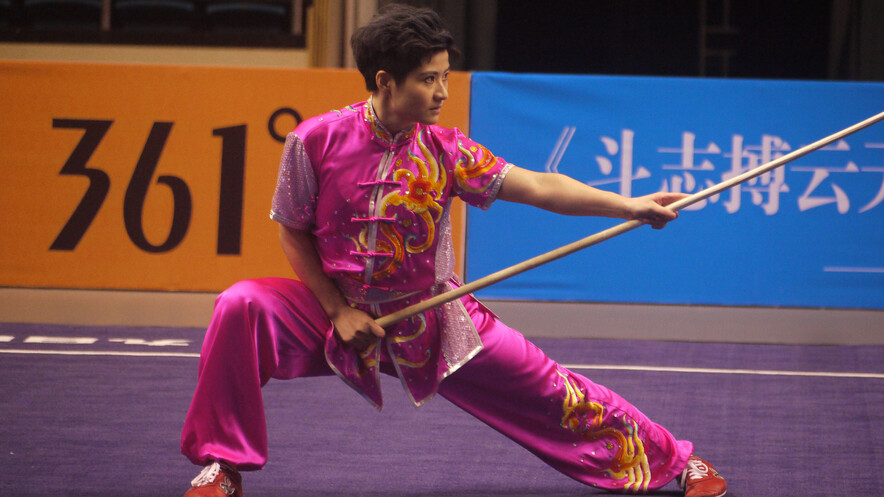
<point x="563" y="195"/>
<point x="573" y="198"/>
<point x="302" y="256"/>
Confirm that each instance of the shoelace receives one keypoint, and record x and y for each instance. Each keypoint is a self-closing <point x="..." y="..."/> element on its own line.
<point x="207" y="475"/>
<point x="694" y="470"/>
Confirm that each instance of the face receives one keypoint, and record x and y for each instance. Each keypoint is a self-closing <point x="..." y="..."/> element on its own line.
<point x="419" y="97"/>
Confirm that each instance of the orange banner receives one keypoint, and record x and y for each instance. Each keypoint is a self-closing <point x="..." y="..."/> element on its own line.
<point x="155" y="177"/>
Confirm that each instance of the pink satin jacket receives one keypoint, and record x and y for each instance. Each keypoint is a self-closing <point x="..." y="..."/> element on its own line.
<point x="378" y="206"/>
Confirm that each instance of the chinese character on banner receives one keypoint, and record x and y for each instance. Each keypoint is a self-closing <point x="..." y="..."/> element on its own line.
<point x="686" y="182"/>
<point x="765" y="189"/>
<point x="874" y="169"/>
<point x="810" y="199"/>
<point x="625" y="174"/>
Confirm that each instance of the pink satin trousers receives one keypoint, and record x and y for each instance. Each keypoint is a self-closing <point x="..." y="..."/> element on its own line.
<point x="275" y="328"/>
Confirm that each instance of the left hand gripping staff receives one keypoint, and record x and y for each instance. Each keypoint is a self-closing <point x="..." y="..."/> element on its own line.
<point x="609" y="233"/>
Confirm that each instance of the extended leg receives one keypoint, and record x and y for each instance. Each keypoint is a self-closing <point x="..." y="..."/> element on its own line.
<point x="261" y="329"/>
<point x="582" y="429"/>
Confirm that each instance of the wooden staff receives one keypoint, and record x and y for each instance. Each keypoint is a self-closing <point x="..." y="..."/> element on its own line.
<point x="616" y="230"/>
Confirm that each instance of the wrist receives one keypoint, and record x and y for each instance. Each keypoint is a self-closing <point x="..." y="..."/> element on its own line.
<point x="626" y="208"/>
<point x="337" y="309"/>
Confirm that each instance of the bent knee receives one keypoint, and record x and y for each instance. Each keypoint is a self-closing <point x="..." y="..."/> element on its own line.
<point x="273" y="295"/>
<point x="252" y="288"/>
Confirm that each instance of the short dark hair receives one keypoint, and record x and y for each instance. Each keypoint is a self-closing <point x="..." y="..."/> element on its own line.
<point x="398" y="39"/>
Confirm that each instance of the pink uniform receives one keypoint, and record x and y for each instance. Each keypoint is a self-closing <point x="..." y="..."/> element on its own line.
<point x="378" y="206"/>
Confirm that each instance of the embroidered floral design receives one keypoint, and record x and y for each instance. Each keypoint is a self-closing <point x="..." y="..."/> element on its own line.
<point x="420" y="323"/>
<point x="369" y="358"/>
<point x="413" y="365"/>
<point x="468" y="167"/>
<point x="586" y="418"/>
<point x="420" y="357"/>
<point x="390" y="245"/>
<point x="422" y="189"/>
<point x="422" y="327"/>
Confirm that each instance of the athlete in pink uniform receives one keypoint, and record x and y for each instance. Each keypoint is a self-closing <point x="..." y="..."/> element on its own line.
<point x="363" y="202"/>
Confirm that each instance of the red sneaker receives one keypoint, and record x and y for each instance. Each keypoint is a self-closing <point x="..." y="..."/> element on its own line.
<point x="216" y="480"/>
<point x="700" y="479"/>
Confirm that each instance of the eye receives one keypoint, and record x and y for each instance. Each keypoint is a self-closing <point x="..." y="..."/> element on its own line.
<point x="430" y="80"/>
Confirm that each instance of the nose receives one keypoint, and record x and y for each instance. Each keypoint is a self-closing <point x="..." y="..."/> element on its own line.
<point x="442" y="90"/>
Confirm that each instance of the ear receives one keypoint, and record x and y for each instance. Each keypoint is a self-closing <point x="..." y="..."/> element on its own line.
<point x="384" y="80"/>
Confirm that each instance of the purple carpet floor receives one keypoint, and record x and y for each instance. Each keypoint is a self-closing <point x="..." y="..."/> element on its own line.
<point x="95" y="411"/>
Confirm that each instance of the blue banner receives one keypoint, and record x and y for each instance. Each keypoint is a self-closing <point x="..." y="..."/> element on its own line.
<point x="808" y="234"/>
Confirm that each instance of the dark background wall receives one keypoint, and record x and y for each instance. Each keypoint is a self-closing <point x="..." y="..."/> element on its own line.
<point x="782" y="39"/>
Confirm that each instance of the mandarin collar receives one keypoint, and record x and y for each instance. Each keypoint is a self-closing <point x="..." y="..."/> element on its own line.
<point x="380" y="132"/>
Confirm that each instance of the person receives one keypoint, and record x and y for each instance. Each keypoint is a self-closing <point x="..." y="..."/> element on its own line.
<point x="362" y="202"/>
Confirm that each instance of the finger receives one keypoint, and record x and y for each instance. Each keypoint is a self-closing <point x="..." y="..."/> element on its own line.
<point x="366" y="344"/>
<point x="660" y="211"/>
<point x="377" y="330"/>
<point x="365" y="341"/>
<point x="666" y="198"/>
<point x="353" y="340"/>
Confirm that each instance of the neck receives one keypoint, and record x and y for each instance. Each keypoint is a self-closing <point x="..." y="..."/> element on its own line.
<point x="383" y="109"/>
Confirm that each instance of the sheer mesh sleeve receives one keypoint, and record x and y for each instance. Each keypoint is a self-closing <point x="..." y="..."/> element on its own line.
<point x="295" y="197"/>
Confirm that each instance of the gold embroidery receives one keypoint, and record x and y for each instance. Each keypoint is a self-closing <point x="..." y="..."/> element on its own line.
<point x="377" y="128"/>
<point x="392" y="245"/>
<point x="369" y="359"/>
<point x="421" y="328"/>
<point x="473" y="169"/>
<point x="420" y="331"/>
<point x="410" y="364"/>
<point x="585" y="418"/>
<point x="421" y="193"/>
